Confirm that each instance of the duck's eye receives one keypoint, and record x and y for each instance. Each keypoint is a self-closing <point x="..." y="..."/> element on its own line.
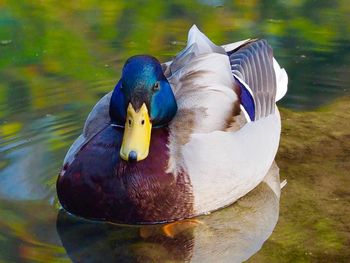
<point x="142" y="122"/>
<point x="129" y="121"/>
<point x="156" y="86"/>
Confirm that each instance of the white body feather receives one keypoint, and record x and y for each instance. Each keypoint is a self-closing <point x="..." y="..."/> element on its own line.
<point x="224" y="166"/>
<point x="210" y="89"/>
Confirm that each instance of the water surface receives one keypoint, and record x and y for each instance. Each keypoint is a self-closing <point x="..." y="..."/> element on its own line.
<point x="57" y="61"/>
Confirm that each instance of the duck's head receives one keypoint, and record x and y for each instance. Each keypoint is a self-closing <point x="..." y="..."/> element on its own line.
<point x="142" y="99"/>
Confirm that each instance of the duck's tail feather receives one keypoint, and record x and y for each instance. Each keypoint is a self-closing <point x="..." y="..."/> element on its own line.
<point x="261" y="80"/>
<point x="197" y="44"/>
<point x="281" y="79"/>
<point x="283" y="183"/>
<point x="204" y="44"/>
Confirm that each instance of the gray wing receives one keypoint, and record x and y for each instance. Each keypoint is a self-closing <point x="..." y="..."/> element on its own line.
<point x="181" y="59"/>
<point x="253" y="64"/>
<point x="98" y="118"/>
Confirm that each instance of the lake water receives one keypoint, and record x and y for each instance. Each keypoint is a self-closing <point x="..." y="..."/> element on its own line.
<point x="57" y="60"/>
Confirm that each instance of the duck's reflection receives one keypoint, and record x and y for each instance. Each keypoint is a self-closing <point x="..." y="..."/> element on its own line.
<point x="229" y="235"/>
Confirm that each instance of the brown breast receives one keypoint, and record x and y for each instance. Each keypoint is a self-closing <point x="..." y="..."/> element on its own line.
<point x="100" y="185"/>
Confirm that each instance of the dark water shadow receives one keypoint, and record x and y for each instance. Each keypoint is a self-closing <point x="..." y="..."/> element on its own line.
<point x="230" y="235"/>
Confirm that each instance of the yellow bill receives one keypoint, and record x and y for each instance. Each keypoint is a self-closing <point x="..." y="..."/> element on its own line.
<point x="137" y="134"/>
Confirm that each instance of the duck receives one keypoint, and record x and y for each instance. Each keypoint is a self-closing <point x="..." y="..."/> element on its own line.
<point x="178" y="139"/>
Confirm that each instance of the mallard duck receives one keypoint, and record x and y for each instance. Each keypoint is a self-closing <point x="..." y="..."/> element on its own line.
<point x="178" y="139"/>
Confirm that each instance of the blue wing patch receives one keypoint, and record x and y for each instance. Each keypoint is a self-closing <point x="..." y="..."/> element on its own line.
<point x="247" y="100"/>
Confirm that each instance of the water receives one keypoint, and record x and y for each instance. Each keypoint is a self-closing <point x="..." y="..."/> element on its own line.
<point x="56" y="62"/>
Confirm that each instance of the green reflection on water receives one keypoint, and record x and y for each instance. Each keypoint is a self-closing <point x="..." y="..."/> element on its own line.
<point x="57" y="59"/>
